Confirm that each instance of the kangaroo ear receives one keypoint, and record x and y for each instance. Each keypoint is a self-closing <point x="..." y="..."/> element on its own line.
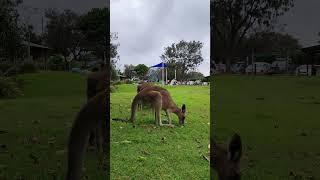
<point x="235" y="148"/>
<point x="183" y="108"/>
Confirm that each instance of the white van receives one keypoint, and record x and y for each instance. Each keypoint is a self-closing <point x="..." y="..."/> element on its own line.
<point x="259" y="67"/>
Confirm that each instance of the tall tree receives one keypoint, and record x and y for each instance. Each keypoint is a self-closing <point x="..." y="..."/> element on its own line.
<point x="272" y="42"/>
<point x="63" y="35"/>
<point x="183" y="57"/>
<point x="10" y="31"/>
<point x="231" y="20"/>
<point x="129" y="71"/>
<point x="94" y="27"/>
<point x="141" y="70"/>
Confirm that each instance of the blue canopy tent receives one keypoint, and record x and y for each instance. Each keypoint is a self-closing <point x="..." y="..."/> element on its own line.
<point x="162" y="65"/>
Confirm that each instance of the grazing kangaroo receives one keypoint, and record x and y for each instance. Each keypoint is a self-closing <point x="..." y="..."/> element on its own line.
<point x="92" y="115"/>
<point x="226" y="160"/>
<point x="159" y="98"/>
<point x="96" y="82"/>
<point x="140" y="87"/>
<point x="143" y="85"/>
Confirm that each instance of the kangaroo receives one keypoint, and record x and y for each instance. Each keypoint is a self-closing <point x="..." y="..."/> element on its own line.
<point x="226" y="160"/>
<point x="96" y="82"/>
<point x="159" y="98"/>
<point x="143" y="85"/>
<point x="92" y="115"/>
<point x="140" y="87"/>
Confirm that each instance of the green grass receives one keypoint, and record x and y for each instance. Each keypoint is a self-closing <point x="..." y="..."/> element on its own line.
<point x="46" y="112"/>
<point x="150" y="152"/>
<point x="252" y="106"/>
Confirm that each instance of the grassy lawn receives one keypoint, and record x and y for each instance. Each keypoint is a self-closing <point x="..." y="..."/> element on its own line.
<point x="38" y="126"/>
<point x="278" y="120"/>
<point x="150" y="152"/>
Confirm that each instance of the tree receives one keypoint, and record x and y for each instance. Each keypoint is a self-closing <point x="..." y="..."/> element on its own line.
<point x="183" y="57"/>
<point x="63" y="35"/>
<point x="94" y="26"/>
<point x="129" y="71"/>
<point x="141" y="70"/>
<point x="10" y="31"/>
<point x="231" y="20"/>
<point x="194" y="75"/>
<point x="268" y="43"/>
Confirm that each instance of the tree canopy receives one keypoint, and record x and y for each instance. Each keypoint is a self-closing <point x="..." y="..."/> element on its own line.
<point x="182" y="56"/>
<point x="231" y="21"/>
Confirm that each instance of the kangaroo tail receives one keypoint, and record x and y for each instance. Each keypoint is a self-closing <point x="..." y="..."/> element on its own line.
<point x="134" y="107"/>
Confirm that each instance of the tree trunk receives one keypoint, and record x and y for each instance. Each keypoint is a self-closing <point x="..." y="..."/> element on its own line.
<point x="228" y="63"/>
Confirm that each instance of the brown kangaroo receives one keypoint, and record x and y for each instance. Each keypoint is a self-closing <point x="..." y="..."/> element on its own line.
<point x="140" y="87"/>
<point x="159" y="98"/>
<point x="143" y="85"/>
<point x="96" y="82"/>
<point x="92" y="115"/>
<point x="226" y="160"/>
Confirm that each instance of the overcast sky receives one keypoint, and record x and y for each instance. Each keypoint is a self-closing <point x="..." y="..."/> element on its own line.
<point x="303" y="21"/>
<point x="31" y="11"/>
<point x="145" y="27"/>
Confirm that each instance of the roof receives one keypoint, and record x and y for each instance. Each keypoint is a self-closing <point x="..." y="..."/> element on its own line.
<point x="35" y="45"/>
<point x="312" y="49"/>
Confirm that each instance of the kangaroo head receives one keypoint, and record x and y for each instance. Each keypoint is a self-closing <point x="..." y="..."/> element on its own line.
<point x="226" y="160"/>
<point x="182" y="114"/>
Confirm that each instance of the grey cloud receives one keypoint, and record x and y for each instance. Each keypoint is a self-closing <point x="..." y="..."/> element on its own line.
<point x="146" y="27"/>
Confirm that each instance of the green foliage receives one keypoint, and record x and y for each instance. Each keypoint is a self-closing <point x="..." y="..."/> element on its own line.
<point x="129" y="71"/>
<point x="271" y="42"/>
<point x="115" y="83"/>
<point x="10" y="30"/>
<point x="56" y="63"/>
<point x="114" y="73"/>
<point x="28" y="68"/>
<point x="183" y="56"/>
<point x="127" y="81"/>
<point x="10" y="87"/>
<point x="113" y="89"/>
<point x="141" y="70"/>
<point x="94" y="25"/>
<point x="195" y="75"/>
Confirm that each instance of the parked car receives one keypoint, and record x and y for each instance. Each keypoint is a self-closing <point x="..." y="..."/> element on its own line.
<point x="238" y="67"/>
<point x="304" y="70"/>
<point x="258" y="67"/>
<point x="279" y="65"/>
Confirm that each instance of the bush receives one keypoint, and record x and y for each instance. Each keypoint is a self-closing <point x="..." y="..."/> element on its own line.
<point x="128" y="82"/>
<point x="117" y="83"/>
<point x="4" y="67"/>
<point x="10" y="87"/>
<point x="56" y="63"/>
<point x="28" y="68"/>
<point x="113" y="89"/>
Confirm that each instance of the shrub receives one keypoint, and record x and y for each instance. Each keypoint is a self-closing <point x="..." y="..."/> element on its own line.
<point x="10" y="87"/>
<point x="28" y="68"/>
<point x="13" y="70"/>
<point x="116" y="83"/>
<point x="113" y="89"/>
<point x="56" y="63"/>
<point x="128" y="82"/>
